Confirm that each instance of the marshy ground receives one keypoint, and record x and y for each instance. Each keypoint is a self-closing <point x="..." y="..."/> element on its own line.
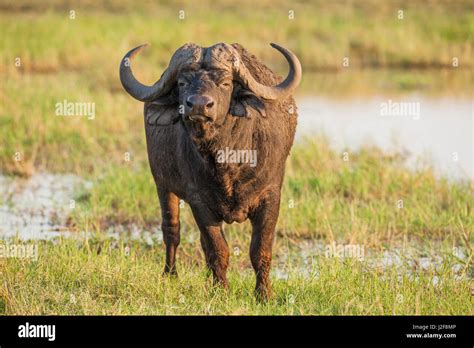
<point x="80" y="188"/>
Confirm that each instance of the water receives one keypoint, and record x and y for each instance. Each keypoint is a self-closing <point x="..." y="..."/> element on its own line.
<point x="36" y="208"/>
<point x="302" y="259"/>
<point x="436" y="131"/>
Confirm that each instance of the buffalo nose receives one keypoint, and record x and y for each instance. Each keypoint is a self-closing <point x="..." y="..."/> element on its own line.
<point x="202" y="102"/>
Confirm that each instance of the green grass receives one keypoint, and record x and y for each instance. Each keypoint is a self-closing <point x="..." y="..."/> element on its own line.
<point x="72" y="277"/>
<point x="351" y="202"/>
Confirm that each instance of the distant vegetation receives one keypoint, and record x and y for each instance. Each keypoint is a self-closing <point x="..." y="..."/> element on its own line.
<point x="369" y="33"/>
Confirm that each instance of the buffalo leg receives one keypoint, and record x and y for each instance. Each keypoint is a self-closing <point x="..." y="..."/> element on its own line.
<point x="263" y="220"/>
<point x="205" y="248"/>
<point x="170" y="226"/>
<point x="214" y="245"/>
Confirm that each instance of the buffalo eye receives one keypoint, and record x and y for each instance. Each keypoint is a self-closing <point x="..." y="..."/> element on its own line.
<point x="225" y="84"/>
<point x="182" y="83"/>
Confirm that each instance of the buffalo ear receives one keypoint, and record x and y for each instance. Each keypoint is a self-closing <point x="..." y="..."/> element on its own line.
<point x="162" y="111"/>
<point x="245" y="103"/>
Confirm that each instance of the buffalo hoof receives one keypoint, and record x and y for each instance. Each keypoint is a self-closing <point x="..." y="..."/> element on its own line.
<point x="263" y="294"/>
<point x="221" y="283"/>
<point x="170" y="272"/>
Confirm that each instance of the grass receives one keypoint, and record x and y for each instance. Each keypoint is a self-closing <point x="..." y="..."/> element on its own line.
<point x="74" y="277"/>
<point x="325" y="198"/>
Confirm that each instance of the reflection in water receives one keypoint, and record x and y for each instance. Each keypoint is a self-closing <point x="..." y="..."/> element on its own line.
<point x="437" y="131"/>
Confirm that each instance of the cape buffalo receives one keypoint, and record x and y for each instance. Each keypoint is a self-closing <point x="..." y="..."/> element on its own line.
<point x="219" y="127"/>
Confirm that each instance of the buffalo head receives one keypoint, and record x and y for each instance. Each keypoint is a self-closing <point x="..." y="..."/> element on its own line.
<point x="204" y="85"/>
